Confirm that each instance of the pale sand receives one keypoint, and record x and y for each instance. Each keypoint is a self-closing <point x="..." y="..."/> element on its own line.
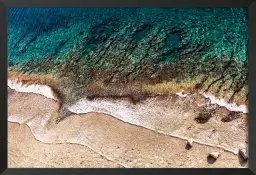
<point x="24" y="151"/>
<point x="120" y="142"/>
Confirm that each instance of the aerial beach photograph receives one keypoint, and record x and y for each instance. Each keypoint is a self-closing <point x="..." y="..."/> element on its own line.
<point x="127" y="87"/>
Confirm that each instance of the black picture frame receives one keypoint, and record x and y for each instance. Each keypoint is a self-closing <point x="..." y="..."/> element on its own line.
<point x="250" y="4"/>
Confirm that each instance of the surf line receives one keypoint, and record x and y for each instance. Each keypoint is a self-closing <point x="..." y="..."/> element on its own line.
<point x="220" y="102"/>
<point x="33" y="88"/>
<point x="47" y="92"/>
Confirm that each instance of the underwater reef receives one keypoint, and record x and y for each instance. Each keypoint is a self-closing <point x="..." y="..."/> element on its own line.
<point x="130" y="52"/>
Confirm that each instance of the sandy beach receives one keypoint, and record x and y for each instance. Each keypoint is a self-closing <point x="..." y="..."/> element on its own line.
<point x="100" y="140"/>
<point x="128" y="87"/>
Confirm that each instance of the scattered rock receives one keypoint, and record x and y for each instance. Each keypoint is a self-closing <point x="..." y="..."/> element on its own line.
<point x="203" y="117"/>
<point x="231" y="116"/>
<point x="243" y="153"/>
<point x="189" y="144"/>
<point x="58" y="120"/>
<point x="198" y="85"/>
<point x="10" y="90"/>
<point x="214" y="155"/>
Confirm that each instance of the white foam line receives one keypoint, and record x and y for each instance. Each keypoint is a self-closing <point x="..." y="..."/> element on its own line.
<point x="34" y="88"/>
<point x="47" y="92"/>
<point x="221" y="102"/>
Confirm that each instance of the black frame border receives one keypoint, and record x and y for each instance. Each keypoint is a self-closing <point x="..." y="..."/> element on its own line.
<point x="250" y="4"/>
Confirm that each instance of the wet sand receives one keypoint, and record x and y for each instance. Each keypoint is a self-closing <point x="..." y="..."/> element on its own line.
<point x="24" y="151"/>
<point x="174" y="116"/>
<point x="108" y="141"/>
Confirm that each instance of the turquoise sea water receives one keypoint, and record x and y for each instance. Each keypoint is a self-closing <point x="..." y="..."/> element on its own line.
<point x="35" y="33"/>
<point x="125" y="46"/>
